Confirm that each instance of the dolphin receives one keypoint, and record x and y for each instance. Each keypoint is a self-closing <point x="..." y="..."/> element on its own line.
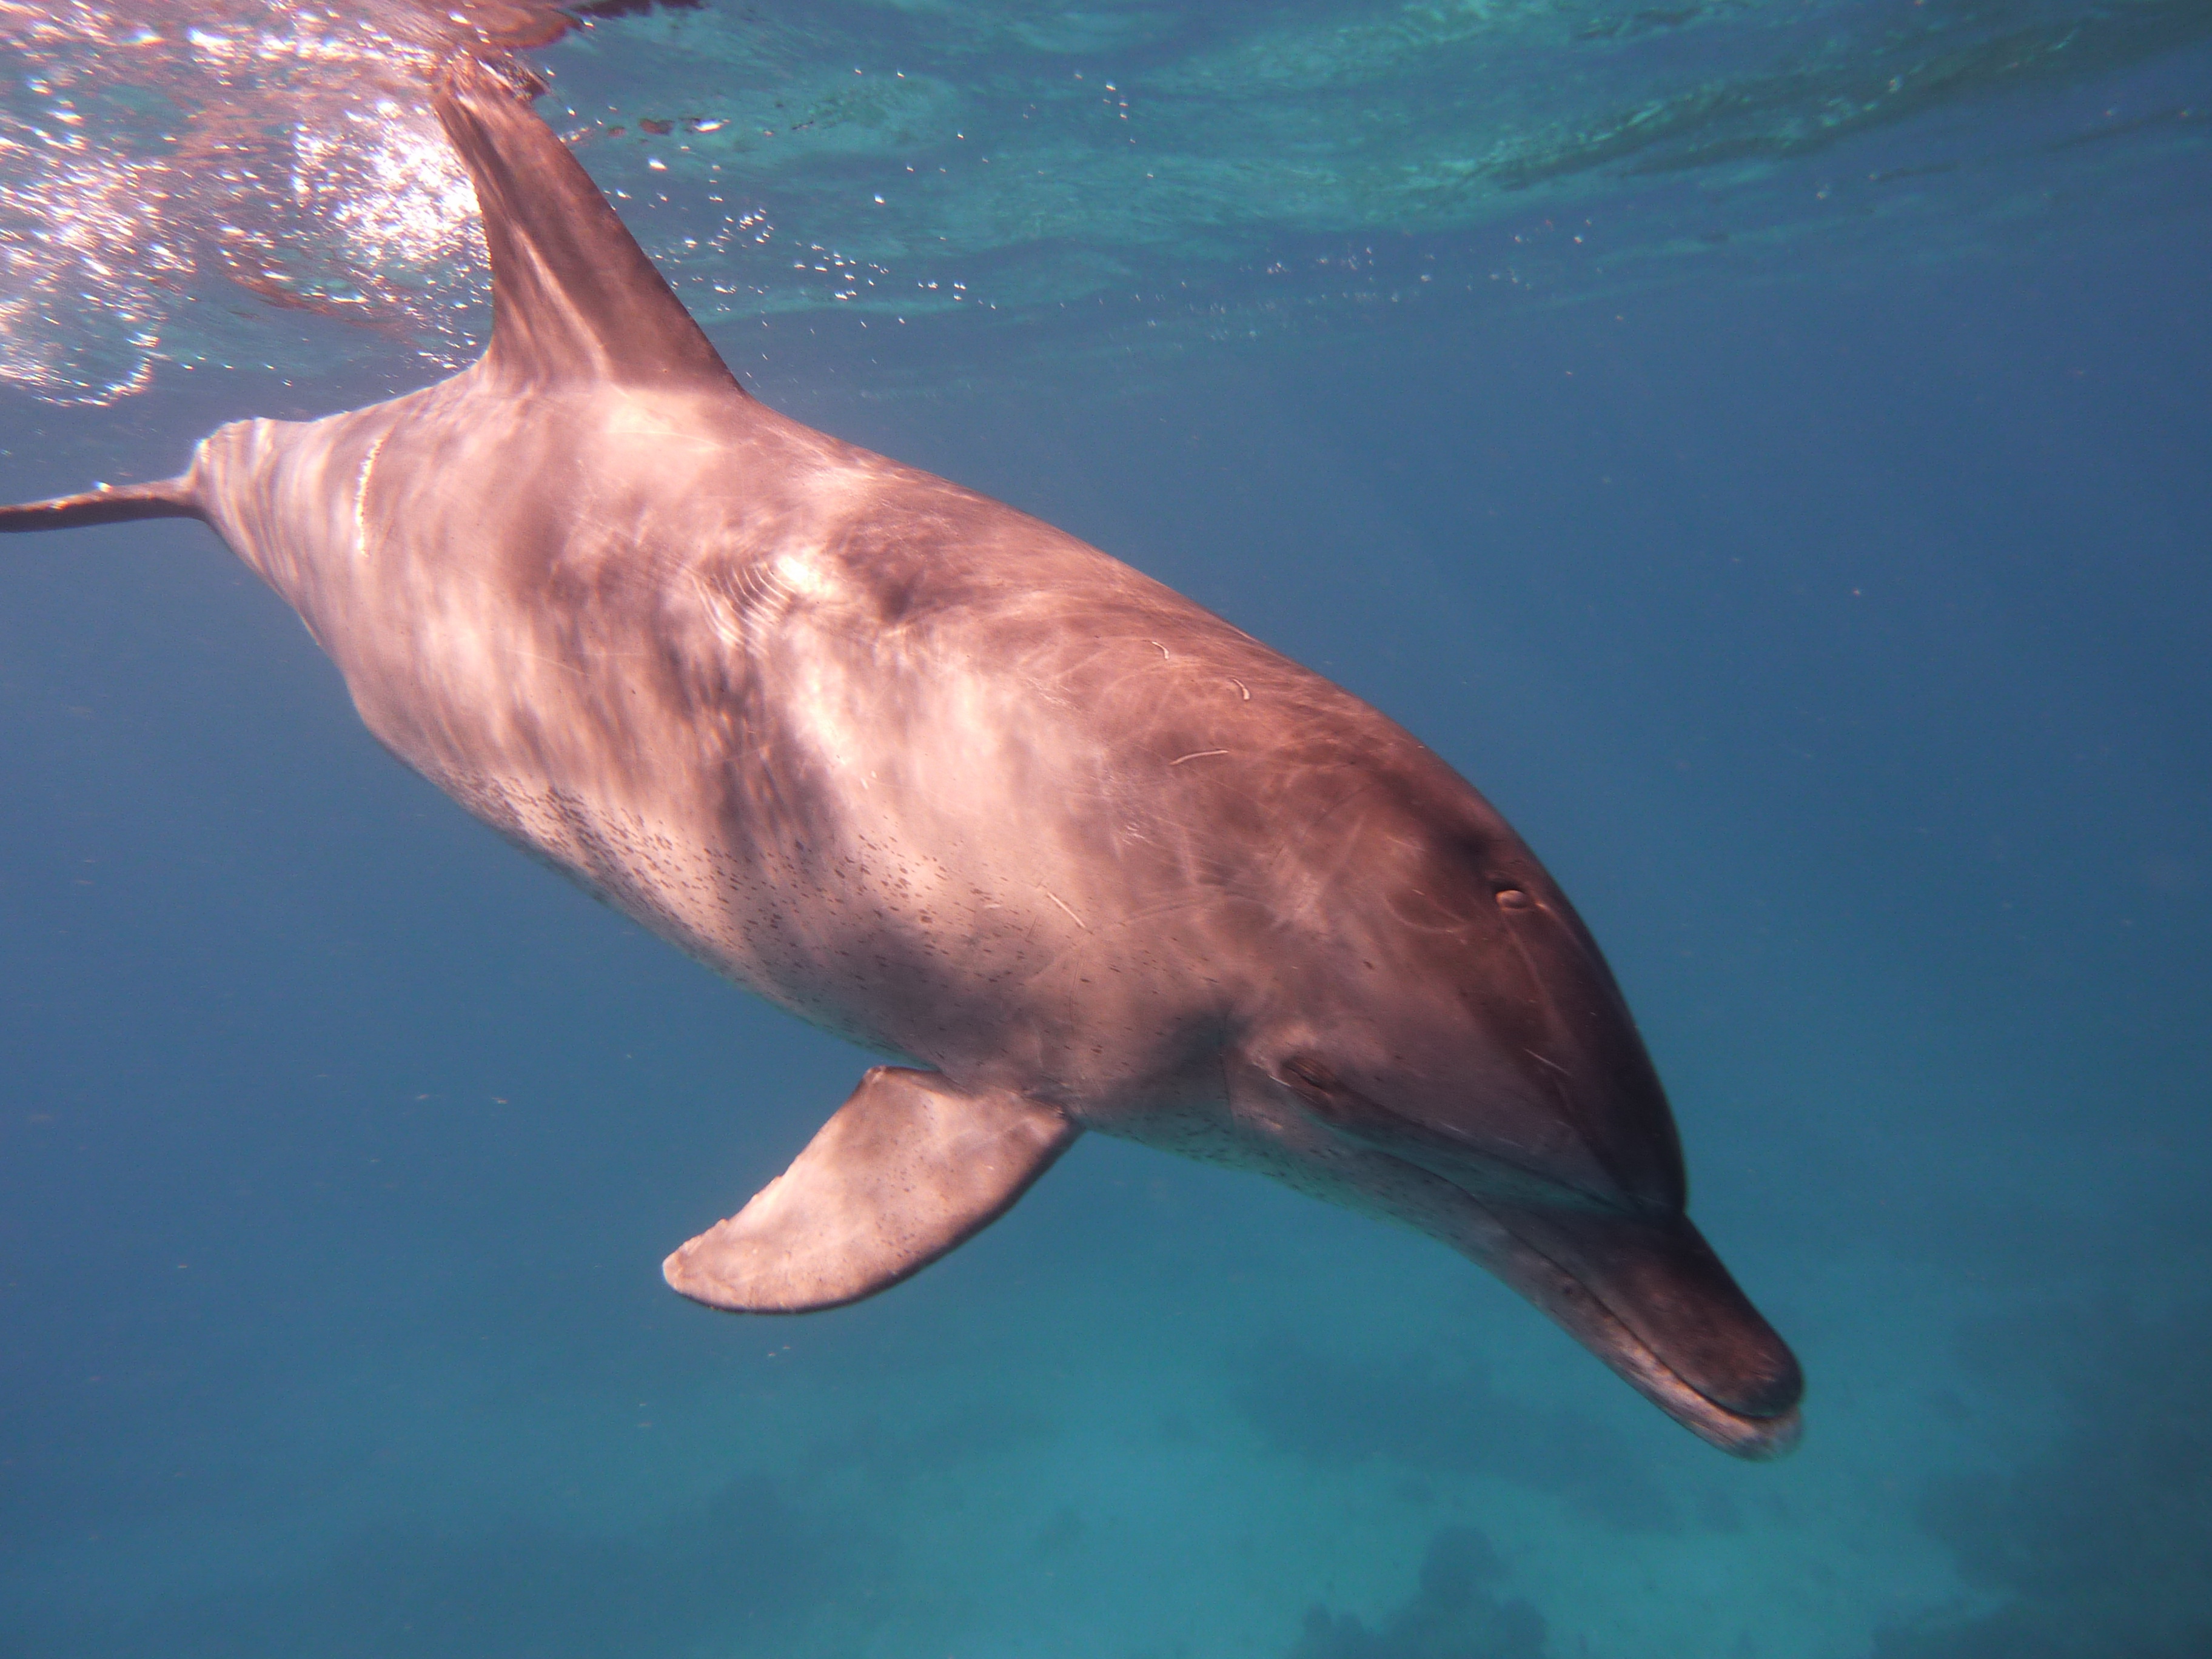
<point x="1077" y="853"/>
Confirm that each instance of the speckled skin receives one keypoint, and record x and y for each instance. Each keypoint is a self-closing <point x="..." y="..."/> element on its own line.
<point x="934" y="775"/>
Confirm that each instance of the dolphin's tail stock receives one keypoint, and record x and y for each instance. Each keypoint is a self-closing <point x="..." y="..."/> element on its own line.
<point x="170" y="498"/>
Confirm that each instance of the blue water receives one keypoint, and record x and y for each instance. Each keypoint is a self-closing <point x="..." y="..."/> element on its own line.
<point x="1814" y="562"/>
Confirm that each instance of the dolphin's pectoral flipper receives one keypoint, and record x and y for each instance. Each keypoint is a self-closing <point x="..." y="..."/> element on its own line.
<point x="910" y="1167"/>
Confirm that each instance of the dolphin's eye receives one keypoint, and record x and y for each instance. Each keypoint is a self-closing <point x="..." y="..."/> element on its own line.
<point x="1512" y="898"/>
<point x="1312" y="1072"/>
<point x="1324" y="1095"/>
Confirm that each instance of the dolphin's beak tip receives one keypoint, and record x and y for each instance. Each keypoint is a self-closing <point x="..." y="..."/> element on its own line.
<point x="1772" y="1436"/>
<point x="1760" y="1419"/>
<point x="1768" y="1384"/>
<point x="1754" y="1439"/>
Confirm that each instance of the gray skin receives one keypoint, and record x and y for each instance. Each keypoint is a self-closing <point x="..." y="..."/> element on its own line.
<point x="935" y="775"/>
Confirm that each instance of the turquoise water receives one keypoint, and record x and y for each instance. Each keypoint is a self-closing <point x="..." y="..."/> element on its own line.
<point x="1810" y="560"/>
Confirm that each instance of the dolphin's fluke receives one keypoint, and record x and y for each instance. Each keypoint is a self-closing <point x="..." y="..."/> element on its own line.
<point x="573" y="297"/>
<point x="909" y="1167"/>
<point x="171" y="498"/>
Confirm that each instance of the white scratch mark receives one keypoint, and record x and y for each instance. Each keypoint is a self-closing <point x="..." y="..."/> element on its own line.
<point x="1072" y="916"/>
<point x="1165" y="653"/>
<point x="1553" y="1064"/>
<point x="1196" y="754"/>
<point x="360" y="493"/>
<point x="1239" y="684"/>
<point x="520" y="654"/>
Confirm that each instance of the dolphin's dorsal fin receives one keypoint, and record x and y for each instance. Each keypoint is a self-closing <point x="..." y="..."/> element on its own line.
<point x="573" y="296"/>
<point x="909" y="1167"/>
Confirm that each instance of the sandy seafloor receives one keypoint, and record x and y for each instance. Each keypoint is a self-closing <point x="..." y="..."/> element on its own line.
<point x="1828" y="606"/>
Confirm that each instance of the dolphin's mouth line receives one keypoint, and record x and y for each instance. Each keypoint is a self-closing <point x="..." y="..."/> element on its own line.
<point x="1591" y="1320"/>
<point x="1757" y="1438"/>
<point x="1405" y="1141"/>
<point x="1577" y="1304"/>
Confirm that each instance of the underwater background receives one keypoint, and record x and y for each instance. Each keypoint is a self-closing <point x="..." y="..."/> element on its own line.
<point x="1767" y="447"/>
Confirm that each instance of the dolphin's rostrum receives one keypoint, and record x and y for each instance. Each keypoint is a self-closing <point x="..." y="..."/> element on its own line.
<point x="938" y="776"/>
